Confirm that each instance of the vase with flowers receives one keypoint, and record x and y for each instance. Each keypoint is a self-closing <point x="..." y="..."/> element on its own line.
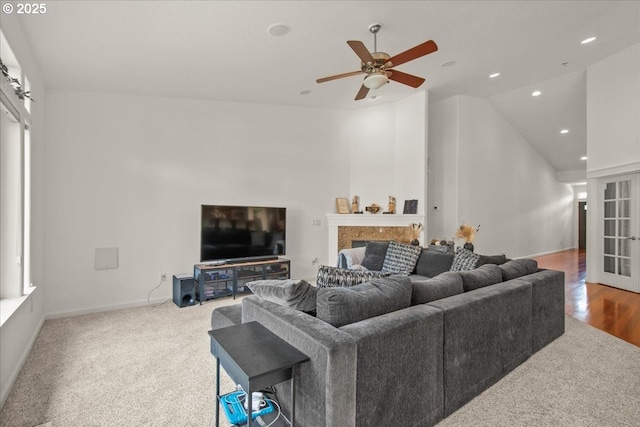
<point x="414" y="233"/>
<point x="468" y="234"/>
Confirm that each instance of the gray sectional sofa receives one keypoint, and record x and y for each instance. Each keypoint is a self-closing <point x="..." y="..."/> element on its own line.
<point x="409" y="350"/>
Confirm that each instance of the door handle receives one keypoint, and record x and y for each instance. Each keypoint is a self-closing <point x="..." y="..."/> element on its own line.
<point x="630" y="238"/>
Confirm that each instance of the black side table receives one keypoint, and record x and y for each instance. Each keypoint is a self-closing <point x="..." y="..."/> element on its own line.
<point x="255" y="358"/>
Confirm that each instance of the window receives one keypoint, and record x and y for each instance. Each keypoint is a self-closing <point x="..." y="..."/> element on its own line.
<point x="15" y="280"/>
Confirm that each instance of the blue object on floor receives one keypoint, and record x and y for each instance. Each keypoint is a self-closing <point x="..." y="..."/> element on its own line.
<point x="233" y="407"/>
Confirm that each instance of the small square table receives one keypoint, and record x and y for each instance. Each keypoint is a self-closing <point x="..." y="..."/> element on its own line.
<point x="255" y="358"/>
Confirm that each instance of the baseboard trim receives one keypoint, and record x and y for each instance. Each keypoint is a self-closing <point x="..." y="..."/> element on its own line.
<point x="548" y="253"/>
<point x="103" y="308"/>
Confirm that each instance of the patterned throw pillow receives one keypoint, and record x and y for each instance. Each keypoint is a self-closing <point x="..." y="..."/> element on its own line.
<point x="401" y="258"/>
<point x="464" y="260"/>
<point x="332" y="277"/>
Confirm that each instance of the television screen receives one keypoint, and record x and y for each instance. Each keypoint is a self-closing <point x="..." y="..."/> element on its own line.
<point x="229" y="232"/>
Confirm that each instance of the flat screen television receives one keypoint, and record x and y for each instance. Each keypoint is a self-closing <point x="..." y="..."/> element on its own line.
<point x="232" y="232"/>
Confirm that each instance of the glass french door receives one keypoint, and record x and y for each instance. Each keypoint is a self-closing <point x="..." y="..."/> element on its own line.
<point x="619" y="238"/>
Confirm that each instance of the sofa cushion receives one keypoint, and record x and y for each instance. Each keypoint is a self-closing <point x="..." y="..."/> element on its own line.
<point x="343" y="306"/>
<point x="464" y="260"/>
<point x="329" y="277"/>
<point x="444" y="285"/>
<point x="374" y="255"/>
<point x="480" y="277"/>
<point x="518" y="268"/>
<point x="491" y="259"/>
<point x="296" y="294"/>
<point x="401" y="258"/>
<point x="431" y="263"/>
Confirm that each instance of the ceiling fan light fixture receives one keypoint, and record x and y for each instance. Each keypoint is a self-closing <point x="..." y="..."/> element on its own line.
<point x="376" y="80"/>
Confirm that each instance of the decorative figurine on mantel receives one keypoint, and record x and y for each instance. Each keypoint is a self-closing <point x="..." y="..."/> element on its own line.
<point x="374" y="209"/>
<point x="392" y="205"/>
<point x="355" y="205"/>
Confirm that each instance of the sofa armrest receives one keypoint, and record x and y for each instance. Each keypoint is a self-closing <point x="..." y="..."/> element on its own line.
<point x="326" y="385"/>
<point x="547" y="314"/>
<point x="487" y="333"/>
<point x="400" y="368"/>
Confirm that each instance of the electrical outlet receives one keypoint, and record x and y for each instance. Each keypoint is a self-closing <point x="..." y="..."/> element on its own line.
<point x="163" y="277"/>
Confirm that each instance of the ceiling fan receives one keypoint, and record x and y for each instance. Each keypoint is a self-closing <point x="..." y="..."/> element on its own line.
<point x="378" y="66"/>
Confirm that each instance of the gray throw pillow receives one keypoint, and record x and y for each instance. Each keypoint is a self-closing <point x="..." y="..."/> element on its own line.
<point x="374" y="255"/>
<point x="330" y="277"/>
<point x="431" y="263"/>
<point x="342" y="306"/>
<point x="442" y="286"/>
<point x="480" y="277"/>
<point x="464" y="260"/>
<point x="491" y="259"/>
<point x="401" y="258"/>
<point x="296" y="294"/>
<point x="518" y="268"/>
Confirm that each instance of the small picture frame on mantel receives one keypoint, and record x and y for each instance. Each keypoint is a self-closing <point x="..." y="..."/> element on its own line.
<point x="410" y="207"/>
<point x="342" y="205"/>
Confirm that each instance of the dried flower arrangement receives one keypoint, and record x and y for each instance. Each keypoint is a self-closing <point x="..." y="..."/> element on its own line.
<point x="467" y="232"/>
<point x="415" y="230"/>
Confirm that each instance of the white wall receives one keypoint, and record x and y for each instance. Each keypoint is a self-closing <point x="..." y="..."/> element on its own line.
<point x="18" y="332"/>
<point x="131" y="172"/>
<point x="388" y="145"/>
<point x="613" y="113"/>
<point x="503" y="184"/>
<point x="613" y="133"/>
<point x="442" y="194"/>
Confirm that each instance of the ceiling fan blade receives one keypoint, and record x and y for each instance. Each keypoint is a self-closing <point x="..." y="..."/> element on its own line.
<point x="404" y="78"/>
<point x="339" y="76"/>
<point x="361" y="50"/>
<point x="362" y="93"/>
<point x="413" y="53"/>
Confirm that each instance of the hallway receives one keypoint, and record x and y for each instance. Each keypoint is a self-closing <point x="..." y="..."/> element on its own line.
<point x="612" y="310"/>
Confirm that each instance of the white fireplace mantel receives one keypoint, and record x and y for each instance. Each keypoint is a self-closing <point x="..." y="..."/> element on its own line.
<point x="364" y="220"/>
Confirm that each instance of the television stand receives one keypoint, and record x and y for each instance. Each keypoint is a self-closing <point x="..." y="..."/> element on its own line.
<point x="214" y="280"/>
<point x="251" y="259"/>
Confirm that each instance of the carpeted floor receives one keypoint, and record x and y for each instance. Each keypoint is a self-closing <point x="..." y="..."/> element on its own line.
<point x="151" y="366"/>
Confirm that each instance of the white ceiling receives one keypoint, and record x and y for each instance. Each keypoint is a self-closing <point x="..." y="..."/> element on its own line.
<point x="221" y="50"/>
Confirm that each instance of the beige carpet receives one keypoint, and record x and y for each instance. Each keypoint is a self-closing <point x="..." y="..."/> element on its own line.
<point x="151" y="366"/>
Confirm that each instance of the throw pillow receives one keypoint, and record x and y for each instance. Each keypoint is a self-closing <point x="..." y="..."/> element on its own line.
<point x="442" y="286"/>
<point x="518" y="268"/>
<point x="464" y="260"/>
<point x="491" y="259"/>
<point x="401" y="258"/>
<point x="296" y="294"/>
<point x="374" y="255"/>
<point x="342" y="306"/>
<point x="431" y="263"/>
<point x="485" y="275"/>
<point x="331" y="277"/>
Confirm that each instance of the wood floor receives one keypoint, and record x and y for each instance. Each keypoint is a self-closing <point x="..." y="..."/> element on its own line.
<point x="612" y="310"/>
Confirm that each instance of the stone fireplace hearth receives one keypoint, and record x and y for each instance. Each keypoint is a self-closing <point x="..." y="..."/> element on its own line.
<point x="345" y="228"/>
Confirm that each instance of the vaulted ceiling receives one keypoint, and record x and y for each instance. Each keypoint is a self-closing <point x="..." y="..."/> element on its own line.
<point x="222" y="50"/>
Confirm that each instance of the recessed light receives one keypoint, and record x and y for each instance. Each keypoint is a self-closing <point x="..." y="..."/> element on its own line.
<point x="494" y="75"/>
<point x="564" y="131"/>
<point x="536" y="93"/>
<point x="278" y="29"/>
<point x="305" y="92"/>
<point x="373" y="98"/>
<point x="583" y="158"/>
<point x="447" y="63"/>
<point x="589" y="40"/>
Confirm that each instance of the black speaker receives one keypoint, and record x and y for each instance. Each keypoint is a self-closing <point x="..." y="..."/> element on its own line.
<point x="184" y="290"/>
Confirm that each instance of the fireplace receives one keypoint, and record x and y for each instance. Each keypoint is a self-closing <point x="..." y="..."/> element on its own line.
<point x="346" y="228"/>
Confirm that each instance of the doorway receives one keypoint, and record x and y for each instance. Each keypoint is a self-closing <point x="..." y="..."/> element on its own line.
<point x="582" y="225"/>
<point x="618" y="250"/>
